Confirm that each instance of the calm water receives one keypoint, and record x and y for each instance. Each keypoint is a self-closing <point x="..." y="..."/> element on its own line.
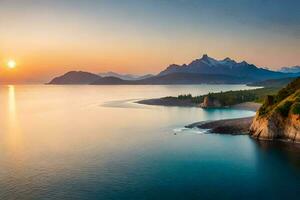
<point x="92" y="142"/>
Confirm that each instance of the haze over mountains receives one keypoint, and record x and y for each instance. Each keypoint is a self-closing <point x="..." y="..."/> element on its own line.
<point x="293" y="69"/>
<point x="202" y="70"/>
<point x="128" y="77"/>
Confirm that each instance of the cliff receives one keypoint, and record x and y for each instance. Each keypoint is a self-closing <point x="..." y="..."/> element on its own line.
<point x="279" y="116"/>
<point x="210" y="102"/>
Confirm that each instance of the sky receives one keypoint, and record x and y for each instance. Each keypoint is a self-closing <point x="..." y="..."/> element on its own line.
<point x="50" y="37"/>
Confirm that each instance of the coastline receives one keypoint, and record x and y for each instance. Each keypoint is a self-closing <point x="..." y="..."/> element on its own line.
<point x="276" y="119"/>
<point x="167" y="101"/>
<point x="171" y="101"/>
<point x="237" y="126"/>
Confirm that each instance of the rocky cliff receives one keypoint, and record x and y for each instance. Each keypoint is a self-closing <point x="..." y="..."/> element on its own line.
<point x="279" y="116"/>
<point x="210" y="102"/>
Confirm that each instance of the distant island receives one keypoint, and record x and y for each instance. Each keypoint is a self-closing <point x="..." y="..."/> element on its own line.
<point x="205" y="70"/>
<point x="214" y="100"/>
<point x="224" y="99"/>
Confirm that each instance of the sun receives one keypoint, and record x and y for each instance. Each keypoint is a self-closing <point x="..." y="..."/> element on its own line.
<point x="11" y="64"/>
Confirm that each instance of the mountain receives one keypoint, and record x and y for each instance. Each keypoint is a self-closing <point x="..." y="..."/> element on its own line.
<point x="145" y="76"/>
<point x="293" y="69"/>
<point x="279" y="116"/>
<point x="124" y="76"/>
<point x="190" y="78"/>
<point x="110" y="80"/>
<point x="203" y="70"/>
<point x="208" y="65"/>
<point x="174" y="78"/>
<point x="75" y="77"/>
<point x="79" y="77"/>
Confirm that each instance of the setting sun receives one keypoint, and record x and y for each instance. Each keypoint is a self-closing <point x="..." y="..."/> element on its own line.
<point x="11" y="64"/>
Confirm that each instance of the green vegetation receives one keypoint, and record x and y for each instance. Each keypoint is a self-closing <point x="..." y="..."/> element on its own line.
<point x="296" y="108"/>
<point x="233" y="97"/>
<point x="287" y="99"/>
<point x="284" y="108"/>
<point x="278" y="99"/>
<point x="185" y="96"/>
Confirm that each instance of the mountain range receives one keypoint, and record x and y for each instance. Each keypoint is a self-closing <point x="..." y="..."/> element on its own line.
<point x="128" y="77"/>
<point x="293" y="69"/>
<point x="208" y="65"/>
<point x="202" y="70"/>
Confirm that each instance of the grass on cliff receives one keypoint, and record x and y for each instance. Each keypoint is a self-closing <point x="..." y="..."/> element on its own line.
<point x="285" y="101"/>
<point x="296" y="108"/>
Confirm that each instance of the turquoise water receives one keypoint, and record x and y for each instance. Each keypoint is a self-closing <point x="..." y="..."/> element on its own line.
<point x="93" y="142"/>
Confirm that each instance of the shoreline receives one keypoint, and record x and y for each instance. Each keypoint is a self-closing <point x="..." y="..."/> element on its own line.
<point x="167" y="101"/>
<point x="171" y="101"/>
<point x="236" y="126"/>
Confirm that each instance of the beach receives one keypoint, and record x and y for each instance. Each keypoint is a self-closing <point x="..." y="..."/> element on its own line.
<point x="239" y="126"/>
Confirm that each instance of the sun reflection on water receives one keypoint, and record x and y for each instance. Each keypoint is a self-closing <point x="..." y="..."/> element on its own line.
<point x="11" y="102"/>
<point x="14" y="136"/>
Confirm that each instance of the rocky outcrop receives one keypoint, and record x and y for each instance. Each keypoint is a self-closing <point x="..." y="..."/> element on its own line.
<point x="292" y="128"/>
<point x="210" y="102"/>
<point x="276" y="127"/>
<point x="279" y="117"/>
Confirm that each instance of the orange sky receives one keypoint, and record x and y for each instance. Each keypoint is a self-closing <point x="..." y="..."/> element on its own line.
<point x="49" y="39"/>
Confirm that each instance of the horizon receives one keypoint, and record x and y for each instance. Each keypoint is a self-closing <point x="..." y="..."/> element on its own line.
<point x="139" y="75"/>
<point x="49" y="38"/>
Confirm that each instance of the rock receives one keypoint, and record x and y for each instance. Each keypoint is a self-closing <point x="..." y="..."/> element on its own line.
<point x="210" y="102"/>
<point x="292" y="128"/>
<point x="266" y="128"/>
<point x="239" y="126"/>
<point x="276" y="127"/>
<point x="269" y="100"/>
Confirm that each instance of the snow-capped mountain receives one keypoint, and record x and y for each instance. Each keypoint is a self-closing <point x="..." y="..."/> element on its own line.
<point x="227" y="66"/>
